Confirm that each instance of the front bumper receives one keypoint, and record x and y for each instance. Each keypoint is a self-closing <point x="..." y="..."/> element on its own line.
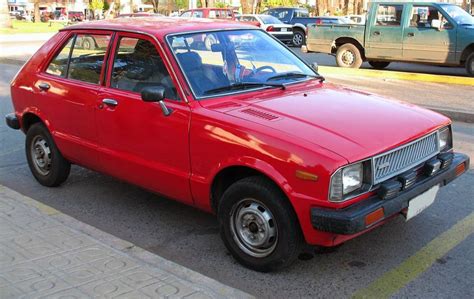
<point x="352" y="219"/>
<point x="12" y="121"/>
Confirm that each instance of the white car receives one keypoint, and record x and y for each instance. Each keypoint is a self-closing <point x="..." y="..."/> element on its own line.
<point x="272" y="25"/>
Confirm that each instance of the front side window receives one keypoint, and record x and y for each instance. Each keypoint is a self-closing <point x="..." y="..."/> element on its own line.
<point x="389" y="15"/>
<point x="137" y="65"/>
<point x="235" y="60"/>
<point x="186" y="14"/>
<point x="422" y="16"/>
<point x="197" y="14"/>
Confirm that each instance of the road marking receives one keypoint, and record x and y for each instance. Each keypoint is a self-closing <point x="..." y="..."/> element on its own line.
<point x="395" y="279"/>
<point x="445" y="79"/>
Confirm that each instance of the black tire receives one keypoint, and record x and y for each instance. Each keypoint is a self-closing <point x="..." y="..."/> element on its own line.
<point x="39" y="138"/>
<point x="348" y="56"/>
<point x="470" y="65"/>
<point x="379" y="65"/>
<point x="299" y="38"/>
<point x="88" y="43"/>
<point x="262" y="193"/>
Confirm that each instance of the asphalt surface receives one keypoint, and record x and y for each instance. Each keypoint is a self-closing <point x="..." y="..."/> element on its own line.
<point x="190" y="237"/>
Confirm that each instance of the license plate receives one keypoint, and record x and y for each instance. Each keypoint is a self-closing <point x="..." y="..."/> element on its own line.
<point x="421" y="202"/>
<point x="284" y="29"/>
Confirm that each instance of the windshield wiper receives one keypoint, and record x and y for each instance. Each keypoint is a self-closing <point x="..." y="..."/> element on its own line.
<point x="294" y="75"/>
<point x="242" y="85"/>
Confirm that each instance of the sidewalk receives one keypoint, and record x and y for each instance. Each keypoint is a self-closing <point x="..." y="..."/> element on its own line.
<point x="44" y="253"/>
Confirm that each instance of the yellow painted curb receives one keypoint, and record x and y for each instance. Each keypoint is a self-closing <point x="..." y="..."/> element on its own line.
<point x="330" y="70"/>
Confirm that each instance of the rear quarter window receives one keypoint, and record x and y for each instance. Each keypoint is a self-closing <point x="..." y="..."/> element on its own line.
<point x="58" y="66"/>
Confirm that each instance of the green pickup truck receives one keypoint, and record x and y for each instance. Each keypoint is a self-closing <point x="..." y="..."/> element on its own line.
<point x="418" y="32"/>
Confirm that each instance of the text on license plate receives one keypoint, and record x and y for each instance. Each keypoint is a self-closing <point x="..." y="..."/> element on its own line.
<point x="421" y="202"/>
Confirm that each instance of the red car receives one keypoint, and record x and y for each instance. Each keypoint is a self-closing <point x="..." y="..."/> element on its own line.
<point x="246" y="130"/>
<point x="209" y="13"/>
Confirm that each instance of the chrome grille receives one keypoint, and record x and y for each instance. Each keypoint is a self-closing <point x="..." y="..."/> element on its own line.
<point x="405" y="157"/>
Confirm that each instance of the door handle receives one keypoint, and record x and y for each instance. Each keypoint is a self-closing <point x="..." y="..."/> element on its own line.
<point x="411" y="34"/>
<point x="376" y="32"/>
<point x="110" y="102"/>
<point x="44" y="86"/>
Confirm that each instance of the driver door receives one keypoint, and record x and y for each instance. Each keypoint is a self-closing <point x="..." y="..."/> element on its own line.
<point x="422" y="42"/>
<point x="137" y="142"/>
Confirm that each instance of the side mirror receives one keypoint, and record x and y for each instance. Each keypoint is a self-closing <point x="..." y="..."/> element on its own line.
<point x="435" y="23"/>
<point x="314" y="66"/>
<point x="156" y="94"/>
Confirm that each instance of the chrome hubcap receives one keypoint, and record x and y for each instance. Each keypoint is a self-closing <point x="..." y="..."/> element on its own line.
<point x="41" y="155"/>
<point x="348" y="57"/>
<point x="253" y="227"/>
<point x="297" y="39"/>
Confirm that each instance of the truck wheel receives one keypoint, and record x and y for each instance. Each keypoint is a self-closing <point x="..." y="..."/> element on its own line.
<point x="299" y="38"/>
<point x="379" y="65"/>
<point x="470" y="65"/>
<point x="44" y="159"/>
<point x="348" y="56"/>
<point x="258" y="225"/>
<point x="88" y="43"/>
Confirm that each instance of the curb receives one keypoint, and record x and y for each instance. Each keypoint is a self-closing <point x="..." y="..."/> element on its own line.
<point x="213" y="286"/>
<point x="454" y="114"/>
<point x="445" y="79"/>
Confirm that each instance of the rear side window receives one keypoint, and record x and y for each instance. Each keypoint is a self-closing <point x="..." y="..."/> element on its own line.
<point x="81" y="58"/>
<point x="389" y="15"/>
<point x="87" y="57"/>
<point x="58" y="66"/>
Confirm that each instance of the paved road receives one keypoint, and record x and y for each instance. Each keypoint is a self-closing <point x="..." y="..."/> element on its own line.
<point x="190" y="237"/>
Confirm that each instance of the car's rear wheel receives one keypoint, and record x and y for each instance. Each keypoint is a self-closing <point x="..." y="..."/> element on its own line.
<point x="348" y="56"/>
<point x="258" y="225"/>
<point x="379" y="65"/>
<point x="470" y="65"/>
<point x="299" y="38"/>
<point x="46" y="163"/>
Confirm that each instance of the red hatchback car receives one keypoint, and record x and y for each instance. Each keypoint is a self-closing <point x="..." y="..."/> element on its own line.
<point x="244" y="129"/>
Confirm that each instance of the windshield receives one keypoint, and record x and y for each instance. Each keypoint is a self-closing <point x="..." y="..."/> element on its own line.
<point x="458" y="14"/>
<point x="266" y="19"/>
<point x="235" y="60"/>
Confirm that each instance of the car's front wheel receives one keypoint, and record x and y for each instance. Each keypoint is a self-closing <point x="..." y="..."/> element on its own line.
<point x="258" y="225"/>
<point x="470" y="65"/>
<point x="46" y="163"/>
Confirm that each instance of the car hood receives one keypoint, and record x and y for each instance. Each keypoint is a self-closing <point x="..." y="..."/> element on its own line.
<point x="353" y="124"/>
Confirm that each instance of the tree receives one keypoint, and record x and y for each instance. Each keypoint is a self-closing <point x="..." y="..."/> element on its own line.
<point x="156" y="4"/>
<point x="4" y="16"/>
<point x="37" y="11"/>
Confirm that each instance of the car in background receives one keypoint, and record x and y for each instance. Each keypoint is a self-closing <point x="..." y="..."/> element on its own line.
<point x="209" y="13"/>
<point x="139" y="15"/>
<point x="419" y="32"/>
<point x="355" y="19"/>
<point x="272" y="25"/>
<point x="75" y="16"/>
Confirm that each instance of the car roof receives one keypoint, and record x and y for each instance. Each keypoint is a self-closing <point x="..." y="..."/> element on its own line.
<point x="160" y="26"/>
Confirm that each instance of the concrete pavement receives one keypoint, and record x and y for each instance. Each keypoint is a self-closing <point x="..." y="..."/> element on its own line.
<point x="47" y="254"/>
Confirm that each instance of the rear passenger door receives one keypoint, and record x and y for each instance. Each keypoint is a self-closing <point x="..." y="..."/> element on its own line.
<point x="384" y="36"/>
<point x="138" y="143"/>
<point x="69" y="85"/>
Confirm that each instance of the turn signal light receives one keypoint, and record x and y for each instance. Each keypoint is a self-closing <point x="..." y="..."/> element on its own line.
<point x="374" y="217"/>
<point x="460" y="169"/>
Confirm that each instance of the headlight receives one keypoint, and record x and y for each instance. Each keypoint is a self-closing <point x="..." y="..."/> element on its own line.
<point x="346" y="180"/>
<point x="444" y="140"/>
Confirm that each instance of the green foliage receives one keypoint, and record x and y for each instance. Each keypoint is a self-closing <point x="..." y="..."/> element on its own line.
<point x="276" y="3"/>
<point x="182" y="4"/>
<point x="96" y="4"/>
<point x="220" y="4"/>
<point x="106" y="5"/>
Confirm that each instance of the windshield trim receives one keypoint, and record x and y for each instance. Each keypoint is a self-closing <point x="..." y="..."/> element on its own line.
<point x="197" y="98"/>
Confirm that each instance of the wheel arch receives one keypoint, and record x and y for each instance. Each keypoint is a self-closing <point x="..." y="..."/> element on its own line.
<point x="466" y="52"/>
<point x="28" y="119"/>
<point x="347" y="40"/>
